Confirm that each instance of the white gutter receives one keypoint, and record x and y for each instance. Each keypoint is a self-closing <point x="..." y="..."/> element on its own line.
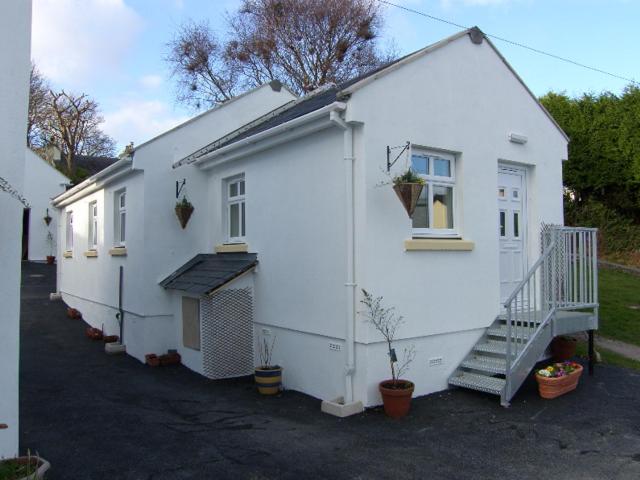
<point x="234" y="150"/>
<point x="350" y="283"/>
<point x="94" y="182"/>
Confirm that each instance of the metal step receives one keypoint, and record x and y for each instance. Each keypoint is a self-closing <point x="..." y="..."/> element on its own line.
<point x="501" y="331"/>
<point x="483" y="363"/>
<point x="498" y="348"/>
<point x="478" y="382"/>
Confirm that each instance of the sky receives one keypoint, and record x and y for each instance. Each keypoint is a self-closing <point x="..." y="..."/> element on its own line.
<point x="113" y="50"/>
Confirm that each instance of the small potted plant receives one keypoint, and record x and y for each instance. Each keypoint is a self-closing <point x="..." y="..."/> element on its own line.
<point x="558" y="379"/>
<point x="29" y="467"/>
<point x="268" y="377"/>
<point x="563" y="348"/>
<point x="51" y="242"/>
<point x="396" y="392"/>
<point x="408" y="186"/>
<point x="184" y="209"/>
<point x="74" y="314"/>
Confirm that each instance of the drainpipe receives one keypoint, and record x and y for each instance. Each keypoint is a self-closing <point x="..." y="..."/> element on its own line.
<point x="350" y="283"/>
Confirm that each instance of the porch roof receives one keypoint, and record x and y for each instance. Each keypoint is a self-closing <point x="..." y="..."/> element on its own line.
<point x="206" y="272"/>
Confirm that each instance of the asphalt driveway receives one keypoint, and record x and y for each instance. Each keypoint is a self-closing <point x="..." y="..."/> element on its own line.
<point x="95" y="416"/>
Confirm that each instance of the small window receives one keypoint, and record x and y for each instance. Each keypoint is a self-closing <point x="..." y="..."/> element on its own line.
<point x="236" y="210"/>
<point x="516" y="194"/>
<point x="435" y="211"/>
<point x="516" y="224"/>
<point x="69" y="233"/>
<point x="501" y="192"/>
<point x="120" y="225"/>
<point x="191" y="323"/>
<point x="93" y="226"/>
<point x="503" y="223"/>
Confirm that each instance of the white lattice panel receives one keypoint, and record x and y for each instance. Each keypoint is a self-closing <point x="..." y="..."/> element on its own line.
<point x="227" y="333"/>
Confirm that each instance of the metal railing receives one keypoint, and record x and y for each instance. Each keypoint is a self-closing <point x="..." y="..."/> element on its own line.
<point x="565" y="277"/>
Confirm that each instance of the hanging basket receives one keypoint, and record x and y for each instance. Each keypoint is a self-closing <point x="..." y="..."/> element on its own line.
<point x="183" y="212"/>
<point x="408" y="193"/>
<point x="47" y="220"/>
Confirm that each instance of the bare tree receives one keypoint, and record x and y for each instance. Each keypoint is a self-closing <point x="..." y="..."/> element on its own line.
<point x="38" y="107"/>
<point x="304" y="43"/>
<point x="73" y="124"/>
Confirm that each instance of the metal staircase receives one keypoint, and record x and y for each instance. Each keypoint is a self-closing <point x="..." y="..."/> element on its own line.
<point x="557" y="296"/>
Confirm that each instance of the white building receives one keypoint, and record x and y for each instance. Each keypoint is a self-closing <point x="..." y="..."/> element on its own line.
<point x="15" y="28"/>
<point x="291" y="221"/>
<point x="42" y="182"/>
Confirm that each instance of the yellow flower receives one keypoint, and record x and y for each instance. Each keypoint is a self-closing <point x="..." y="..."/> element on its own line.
<point x="549" y="369"/>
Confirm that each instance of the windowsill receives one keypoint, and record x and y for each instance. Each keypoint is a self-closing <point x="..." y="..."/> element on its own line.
<point x="232" y="248"/>
<point x="438" y="244"/>
<point x="118" y="252"/>
<point x="68" y="254"/>
<point x="91" y="253"/>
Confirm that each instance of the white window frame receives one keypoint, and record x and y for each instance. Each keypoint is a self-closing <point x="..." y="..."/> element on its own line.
<point x="92" y="233"/>
<point x="239" y="199"/>
<point x="69" y="231"/>
<point x="120" y="223"/>
<point x="432" y="180"/>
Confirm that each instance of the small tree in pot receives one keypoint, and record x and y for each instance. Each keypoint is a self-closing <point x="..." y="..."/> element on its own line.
<point x="268" y="377"/>
<point x="51" y="258"/>
<point x="408" y="187"/>
<point x="396" y="392"/>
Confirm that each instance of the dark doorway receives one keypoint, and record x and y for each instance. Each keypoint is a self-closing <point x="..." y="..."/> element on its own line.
<point x="25" y="233"/>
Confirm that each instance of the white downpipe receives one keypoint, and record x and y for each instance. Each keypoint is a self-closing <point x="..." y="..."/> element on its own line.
<point x="350" y="280"/>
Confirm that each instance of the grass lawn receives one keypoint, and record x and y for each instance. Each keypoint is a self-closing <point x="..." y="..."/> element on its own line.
<point x="608" y="357"/>
<point x="618" y="291"/>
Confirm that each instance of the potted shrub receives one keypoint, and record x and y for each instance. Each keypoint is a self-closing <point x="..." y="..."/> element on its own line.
<point x="558" y="379"/>
<point x="563" y="348"/>
<point x="408" y="186"/>
<point x="396" y="392"/>
<point x="52" y="243"/>
<point x="184" y="209"/>
<point x="29" y="467"/>
<point x="268" y="377"/>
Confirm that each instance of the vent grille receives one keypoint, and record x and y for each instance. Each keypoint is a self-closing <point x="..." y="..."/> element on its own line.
<point x="227" y="333"/>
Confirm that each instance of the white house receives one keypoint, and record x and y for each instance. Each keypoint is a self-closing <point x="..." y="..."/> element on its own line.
<point x="294" y="215"/>
<point x="15" y="29"/>
<point x="42" y="182"/>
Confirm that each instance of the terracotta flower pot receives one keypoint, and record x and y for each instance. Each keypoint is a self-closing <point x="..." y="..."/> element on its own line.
<point x="152" y="360"/>
<point x="50" y="259"/>
<point x="396" y="397"/>
<point x="408" y="193"/>
<point x="563" y="348"/>
<point x="183" y="212"/>
<point x="73" y="313"/>
<point x="554" y="387"/>
<point x="268" y="379"/>
<point x="93" y="333"/>
<point x="110" y="338"/>
<point x="169" y="359"/>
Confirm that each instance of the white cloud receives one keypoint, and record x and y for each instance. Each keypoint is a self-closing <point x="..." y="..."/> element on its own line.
<point x="140" y="120"/>
<point x="76" y="40"/>
<point x="151" y="81"/>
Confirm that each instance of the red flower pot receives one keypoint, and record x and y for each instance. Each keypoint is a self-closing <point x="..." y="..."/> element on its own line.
<point x="396" y="397"/>
<point x="50" y="260"/>
<point x="554" y="387"/>
<point x="73" y="313"/>
<point x="152" y="359"/>
<point x="563" y="348"/>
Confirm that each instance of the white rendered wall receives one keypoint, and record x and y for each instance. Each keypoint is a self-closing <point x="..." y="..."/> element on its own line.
<point x="156" y="244"/>
<point x="15" y="28"/>
<point x="42" y="182"/>
<point x="460" y="98"/>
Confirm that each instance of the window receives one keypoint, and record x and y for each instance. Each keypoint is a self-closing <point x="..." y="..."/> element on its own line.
<point x="120" y="218"/>
<point x="435" y="211"/>
<point x="69" y="235"/>
<point x="191" y="323"/>
<point x="93" y="226"/>
<point x="236" y="210"/>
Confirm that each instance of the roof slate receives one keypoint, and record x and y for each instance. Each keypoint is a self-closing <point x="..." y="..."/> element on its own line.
<point x="207" y="272"/>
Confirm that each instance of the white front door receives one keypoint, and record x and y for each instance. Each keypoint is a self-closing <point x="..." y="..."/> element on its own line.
<point x="511" y="229"/>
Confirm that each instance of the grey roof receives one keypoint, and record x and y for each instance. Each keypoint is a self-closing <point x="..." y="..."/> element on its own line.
<point x="93" y="164"/>
<point x="207" y="272"/>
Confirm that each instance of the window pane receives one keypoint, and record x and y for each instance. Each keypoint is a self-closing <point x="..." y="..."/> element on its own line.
<point x="234" y="220"/>
<point x="420" y="164"/>
<point x="441" y="167"/>
<point x="516" y="224"/>
<point x="503" y="224"/>
<point x="123" y="200"/>
<point x="233" y="189"/>
<point x="442" y="207"/>
<point x="123" y="218"/>
<point x="501" y="192"/>
<point x="243" y="234"/>
<point x="242" y="187"/>
<point x="421" y="214"/>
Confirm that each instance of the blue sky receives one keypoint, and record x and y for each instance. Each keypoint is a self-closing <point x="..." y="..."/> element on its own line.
<point x="113" y="49"/>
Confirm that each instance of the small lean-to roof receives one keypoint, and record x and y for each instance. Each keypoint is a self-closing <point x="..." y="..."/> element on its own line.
<point x="93" y="164"/>
<point x="206" y="272"/>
